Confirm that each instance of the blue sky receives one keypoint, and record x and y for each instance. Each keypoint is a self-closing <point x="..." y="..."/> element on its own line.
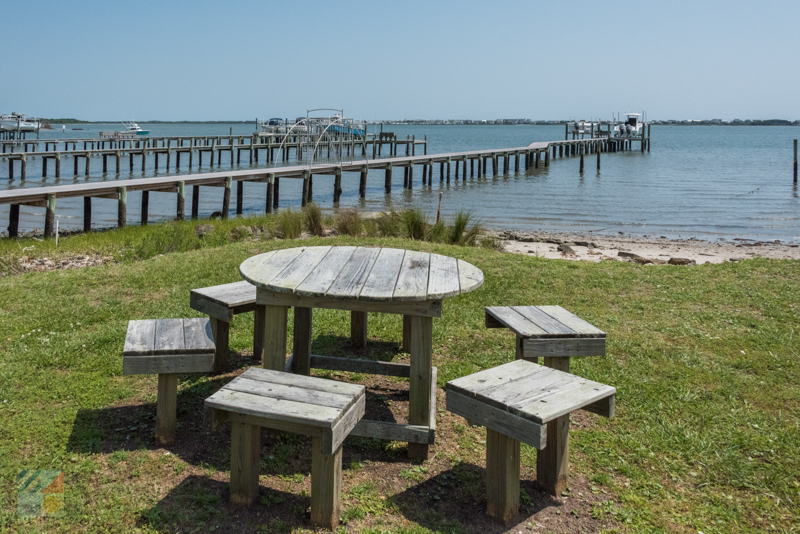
<point x="241" y="60"/>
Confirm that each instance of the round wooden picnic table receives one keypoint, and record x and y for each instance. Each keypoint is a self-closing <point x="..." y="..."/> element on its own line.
<point x="361" y="279"/>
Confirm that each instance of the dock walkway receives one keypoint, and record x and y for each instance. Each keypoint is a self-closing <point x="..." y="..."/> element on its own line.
<point x="276" y="146"/>
<point x="532" y="156"/>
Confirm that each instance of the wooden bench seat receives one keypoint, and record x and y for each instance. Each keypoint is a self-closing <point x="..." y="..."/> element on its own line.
<point x="525" y="402"/>
<point x="221" y="303"/>
<point x="167" y="347"/>
<point x="326" y="410"/>
<point x="547" y="331"/>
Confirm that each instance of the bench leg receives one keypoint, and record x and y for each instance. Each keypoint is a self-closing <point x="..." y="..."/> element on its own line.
<point x="275" y="318"/>
<point x="258" y="333"/>
<point x="326" y="475"/>
<point x="419" y="401"/>
<point x="502" y="476"/>
<point x="301" y="343"/>
<point x="166" y="408"/>
<point x="552" y="462"/>
<point x="221" y="331"/>
<point x="358" y="329"/>
<point x="245" y="462"/>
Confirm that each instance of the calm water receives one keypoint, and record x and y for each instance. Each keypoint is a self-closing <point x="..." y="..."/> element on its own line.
<point x="706" y="182"/>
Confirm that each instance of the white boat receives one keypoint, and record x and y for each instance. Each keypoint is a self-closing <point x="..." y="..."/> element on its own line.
<point x="18" y="122"/>
<point x="582" y="128"/>
<point x="632" y="127"/>
<point x="132" y="127"/>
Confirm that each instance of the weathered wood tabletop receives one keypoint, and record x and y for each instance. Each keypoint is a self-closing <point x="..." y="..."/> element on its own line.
<point x="362" y="279"/>
<point x="361" y="273"/>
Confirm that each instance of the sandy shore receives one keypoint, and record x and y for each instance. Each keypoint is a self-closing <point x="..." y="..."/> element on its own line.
<point x="645" y="250"/>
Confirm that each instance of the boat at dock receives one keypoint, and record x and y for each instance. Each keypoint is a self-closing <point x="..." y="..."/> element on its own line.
<point x="632" y="126"/>
<point x="132" y="127"/>
<point x="18" y="122"/>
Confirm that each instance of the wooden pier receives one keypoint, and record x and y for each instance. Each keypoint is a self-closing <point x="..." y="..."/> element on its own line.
<point x="450" y="164"/>
<point x="278" y="148"/>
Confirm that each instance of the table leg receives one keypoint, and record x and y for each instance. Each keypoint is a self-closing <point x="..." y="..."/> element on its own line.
<point x="275" y="320"/>
<point x="406" y="347"/>
<point x="245" y="462"/>
<point x="301" y="344"/>
<point x="326" y="476"/>
<point x="552" y="462"/>
<point x="358" y="329"/>
<point x="166" y="408"/>
<point x="258" y="334"/>
<point x="221" y="331"/>
<point x="502" y="476"/>
<point x="419" y="402"/>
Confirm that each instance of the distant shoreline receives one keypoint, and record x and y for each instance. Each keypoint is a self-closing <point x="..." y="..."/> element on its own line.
<point x="769" y="122"/>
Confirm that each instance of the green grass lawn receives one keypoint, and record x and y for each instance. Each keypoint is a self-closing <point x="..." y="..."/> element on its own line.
<point x="705" y="360"/>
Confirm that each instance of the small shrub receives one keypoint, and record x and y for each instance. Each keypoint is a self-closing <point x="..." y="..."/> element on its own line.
<point x="416" y="223"/>
<point x="349" y="222"/>
<point x="391" y="224"/>
<point x="314" y="223"/>
<point x="290" y="224"/>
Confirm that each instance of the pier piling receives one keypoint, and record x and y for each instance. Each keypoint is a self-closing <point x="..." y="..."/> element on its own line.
<point x="195" y="201"/>
<point x="387" y="181"/>
<point x="122" y="207"/>
<point x="13" y="220"/>
<point x="362" y="184"/>
<point x="87" y="214"/>
<point x="226" y="197"/>
<point x="145" y="207"/>
<point x="598" y="158"/>
<point x="795" y="161"/>
<point x="270" y="191"/>
<point x="49" y="215"/>
<point x="181" y="208"/>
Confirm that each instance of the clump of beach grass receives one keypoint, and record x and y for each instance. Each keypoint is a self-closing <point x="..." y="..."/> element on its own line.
<point x="465" y="229"/>
<point x="416" y="223"/>
<point x="290" y="223"/>
<point x="349" y="222"/>
<point x="391" y="224"/>
<point x="314" y="220"/>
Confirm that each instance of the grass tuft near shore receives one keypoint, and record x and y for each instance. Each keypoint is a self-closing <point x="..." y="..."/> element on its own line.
<point x="705" y="359"/>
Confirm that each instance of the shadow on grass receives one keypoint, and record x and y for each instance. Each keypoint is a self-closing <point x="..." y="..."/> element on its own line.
<point x="375" y="350"/>
<point x="202" y="503"/>
<point x="132" y="426"/>
<point x="455" y="501"/>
